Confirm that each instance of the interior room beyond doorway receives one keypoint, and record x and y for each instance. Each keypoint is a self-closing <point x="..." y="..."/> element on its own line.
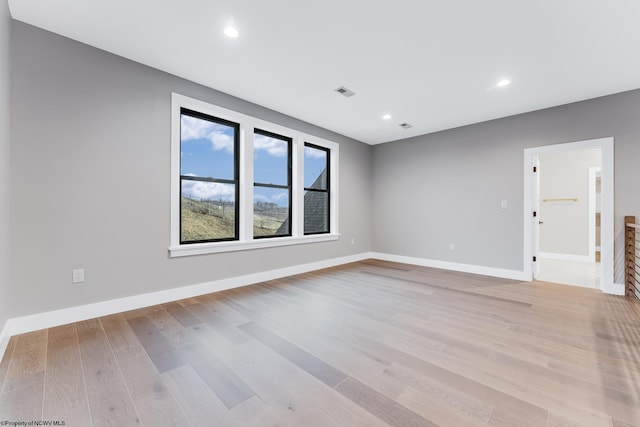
<point x="570" y="206"/>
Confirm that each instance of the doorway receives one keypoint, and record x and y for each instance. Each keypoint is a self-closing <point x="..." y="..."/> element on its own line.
<point x="567" y="210"/>
<point x="532" y="221"/>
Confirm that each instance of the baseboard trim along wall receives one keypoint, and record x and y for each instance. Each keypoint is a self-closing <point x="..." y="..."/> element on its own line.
<point x="34" y="322"/>
<point x="615" y="289"/>
<point x="445" y="265"/>
<point x="4" y="339"/>
<point x="566" y="257"/>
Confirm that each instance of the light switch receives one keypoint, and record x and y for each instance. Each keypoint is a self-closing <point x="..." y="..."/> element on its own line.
<point x="503" y="204"/>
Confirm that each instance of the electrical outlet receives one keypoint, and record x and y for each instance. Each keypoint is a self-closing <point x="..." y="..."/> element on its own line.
<point x="77" y="276"/>
<point x="452" y="246"/>
<point x="353" y="241"/>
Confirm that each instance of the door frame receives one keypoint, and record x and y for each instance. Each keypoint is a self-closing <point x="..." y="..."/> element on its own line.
<point x="594" y="173"/>
<point x="607" y="284"/>
<point x="535" y="220"/>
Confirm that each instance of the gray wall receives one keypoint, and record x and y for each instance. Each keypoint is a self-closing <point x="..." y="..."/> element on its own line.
<point x="446" y="187"/>
<point x="5" y="25"/>
<point x="90" y="180"/>
<point x="565" y="174"/>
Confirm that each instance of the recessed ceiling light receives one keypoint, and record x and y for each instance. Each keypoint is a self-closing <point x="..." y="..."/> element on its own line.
<point x="503" y="82"/>
<point x="386" y="117"/>
<point x="231" y="32"/>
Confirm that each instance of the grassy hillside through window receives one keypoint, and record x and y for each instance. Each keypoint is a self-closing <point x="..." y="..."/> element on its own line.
<point x="206" y="220"/>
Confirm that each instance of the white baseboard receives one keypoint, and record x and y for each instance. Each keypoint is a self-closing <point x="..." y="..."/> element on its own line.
<point x="50" y="319"/>
<point x="566" y="257"/>
<point x="614" y="289"/>
<point x="4" y="339"/>
<point x="445" y="265"/>
<point x="34" y="322"/>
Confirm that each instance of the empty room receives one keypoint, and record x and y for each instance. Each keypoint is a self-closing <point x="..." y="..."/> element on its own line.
<point x="337" y="213"/>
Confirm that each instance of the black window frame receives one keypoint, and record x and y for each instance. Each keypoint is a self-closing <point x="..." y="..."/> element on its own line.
<point x="288" y="187"/>
<point x="236" y="174"/>
<point x="327" y="190"/>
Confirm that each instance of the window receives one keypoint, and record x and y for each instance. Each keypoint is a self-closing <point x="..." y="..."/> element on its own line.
<point x="272" y="184"/>
<point x="316" y="189"/>
<point x="208" y="178"/>
<point x="240" y="183"/>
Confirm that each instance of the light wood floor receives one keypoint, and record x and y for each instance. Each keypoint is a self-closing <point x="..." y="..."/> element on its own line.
<point x="367" y="344"/>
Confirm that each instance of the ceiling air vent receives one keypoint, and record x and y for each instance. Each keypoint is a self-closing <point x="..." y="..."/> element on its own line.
<point x="405" y="125"/>
<point x="344" y="91"/>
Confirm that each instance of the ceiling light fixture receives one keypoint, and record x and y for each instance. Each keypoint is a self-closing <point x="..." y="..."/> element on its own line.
<point x="231" y="32"/>
<point x="503" y="83"/>
<point x="386" y="117"/>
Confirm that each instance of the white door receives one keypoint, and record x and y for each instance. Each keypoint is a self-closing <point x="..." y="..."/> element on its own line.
<point x="607" y="280"/>
<point x="535" y="217"/>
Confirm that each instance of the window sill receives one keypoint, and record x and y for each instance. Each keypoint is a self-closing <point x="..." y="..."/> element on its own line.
<point x="217" y="247"/>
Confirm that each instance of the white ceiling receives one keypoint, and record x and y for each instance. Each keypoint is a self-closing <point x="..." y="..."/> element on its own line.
<point x="431" y="63"/>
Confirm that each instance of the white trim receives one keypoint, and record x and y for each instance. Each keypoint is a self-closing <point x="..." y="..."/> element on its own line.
<point x="445" y="265"/>
<point x="567" y="257"/>
<point x="64" y="316"/>
<point x="334" y="177"/>
<point x="297" y="185"/>
<point x="5" y="334"/>
<point x="614" y="289"/>
<point x="54" y="318"/>
<point x="535" y="221"/>
<point x="245" y="203"/>
<point x="34" y="322"/>
<point x="593" y="176"/>
<point x="607" y="237"/>
<point x="208" y="248"/>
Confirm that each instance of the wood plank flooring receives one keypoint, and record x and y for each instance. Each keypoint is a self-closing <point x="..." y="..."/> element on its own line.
<point x="367" y="344"/>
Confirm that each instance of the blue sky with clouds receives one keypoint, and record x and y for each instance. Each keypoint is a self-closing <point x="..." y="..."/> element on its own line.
<point x="207" y="151"/>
